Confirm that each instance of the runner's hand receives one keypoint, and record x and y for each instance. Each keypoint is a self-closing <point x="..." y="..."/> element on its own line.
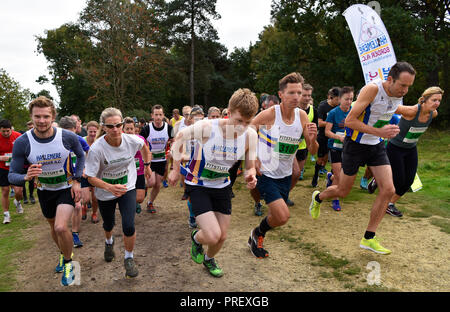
<point x="173" y="177"/>
<point x="250" y="178"/>
<point x="33" y="171"/>
<point x="389" y="131"/>
<point x="117" y="189"/>
<point x="76" y="191"/>
<point x="147" y="172"/>
<point x="312" y="130"/>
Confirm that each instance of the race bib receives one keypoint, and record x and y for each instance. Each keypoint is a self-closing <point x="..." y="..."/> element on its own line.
<point x="53" y="179"/>
<point x="159" y="155"/>
<point x="383" y="121"/>
<point x="138" y="164"/>
<point x="213" y="172"/>
<point x="8" y="162"/>
<point x="286" y="146"/>
<point x="337" y="144"/>
<point x="413" y="134"/>
<point x="120" y="177"/>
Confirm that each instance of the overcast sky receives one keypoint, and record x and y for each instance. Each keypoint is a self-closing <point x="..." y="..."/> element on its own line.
<point x="22" y="20"/>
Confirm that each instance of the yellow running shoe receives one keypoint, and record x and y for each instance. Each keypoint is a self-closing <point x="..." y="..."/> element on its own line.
<point x="373" y="244"/>
<point x="314" y="207"/>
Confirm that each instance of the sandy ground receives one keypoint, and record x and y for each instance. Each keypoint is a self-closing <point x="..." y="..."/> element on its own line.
<point x="420" y="260"/>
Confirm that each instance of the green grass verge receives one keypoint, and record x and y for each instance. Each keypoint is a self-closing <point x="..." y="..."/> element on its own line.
<point x="12" y="242"/>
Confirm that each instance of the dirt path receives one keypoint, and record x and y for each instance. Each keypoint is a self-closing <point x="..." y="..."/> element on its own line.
<point x="305" y="255"/>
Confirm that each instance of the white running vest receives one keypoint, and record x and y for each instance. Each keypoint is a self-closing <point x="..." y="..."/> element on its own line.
<point x="158" y="141"/>
<point x="278" y="145"/>
<point x="211" y="161"/>
<point x="55" y="159"/>
<point x="377" y="114"/>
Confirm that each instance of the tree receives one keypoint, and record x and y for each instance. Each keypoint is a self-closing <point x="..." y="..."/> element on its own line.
<point x="13" y="101"/>
<point x="191" y="18"/>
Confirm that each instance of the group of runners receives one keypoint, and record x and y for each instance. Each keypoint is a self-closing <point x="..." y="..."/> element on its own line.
<point x="117" y="161"/>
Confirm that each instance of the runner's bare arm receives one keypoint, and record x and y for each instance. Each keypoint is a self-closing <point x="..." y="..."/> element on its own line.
<point x="330" y="134"/>
<point x="366" y="96"/>
<point x="250" y="158"/>
<point x="407" y="112"/>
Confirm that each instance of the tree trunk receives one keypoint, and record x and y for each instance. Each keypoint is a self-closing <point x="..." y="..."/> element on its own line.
<point x="192" y="53"/>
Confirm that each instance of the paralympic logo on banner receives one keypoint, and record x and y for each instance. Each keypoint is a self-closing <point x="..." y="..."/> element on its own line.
<point x="372" y="41"/>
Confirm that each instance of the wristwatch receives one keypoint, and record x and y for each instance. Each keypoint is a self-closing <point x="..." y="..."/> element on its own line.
<point x="147" y="164"/>
<point x="78" y="179"/>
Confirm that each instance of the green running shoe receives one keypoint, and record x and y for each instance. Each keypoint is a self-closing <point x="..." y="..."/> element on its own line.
<point x="130" y="268"/>
<point x="373" y="245"/>
<point x="314" y="207"/>
<point x="213" y="268"/>
<point x="197" y="253"/>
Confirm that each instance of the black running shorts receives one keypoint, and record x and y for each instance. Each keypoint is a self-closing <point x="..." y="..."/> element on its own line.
<point x="204" y="199"/>
<point x="159" y="167"/>
<point x="50" y="200"/>
<point x="355" y="155"/>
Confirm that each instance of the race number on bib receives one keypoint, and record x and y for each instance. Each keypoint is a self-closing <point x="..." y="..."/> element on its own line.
<point x="413" y="134"/>
<point x="213" y="172"/>
<point x="116" y="177"/>
<point x="8" y="162"/>
<point x="53" y="179"/>
<point x="286" y="146"/>
<point x="337" y="144"/>
<point x="158" y="155"/>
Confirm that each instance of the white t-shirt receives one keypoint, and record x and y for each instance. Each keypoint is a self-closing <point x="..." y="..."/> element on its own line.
<point x="114" y="165"/>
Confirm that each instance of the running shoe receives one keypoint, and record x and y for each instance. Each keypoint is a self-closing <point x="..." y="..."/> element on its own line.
<point x="373" y="244"/>
<point x="76" y="240"/>
<point x="130" y="268"/>
<point x="68" y="277"/>
<point x="364" y="183"/>
<point x="258" y="209"/>
<point x="164" y="182"/>
<point x="109" y="252"/>
<point x="138" y="208"/>
<point x="151" y="208"/>
<point x="83" y="212"/>
<point x="315" y="180"/>
<point x="301" y="174"/>
<point x="372" y="186"/>
<point x="329" y="181"/>
<point x="323" y="171"/>
<point x="393" y="211"/>
<point x="314" y="207"/>
<point x="213" y="268"/>
<point x="336" y="205"/>
<point x="6" y="218"/>
<point x="60" y="266"/>
<point x="19" y="208"/>
<point x="25" y="200"/>
<point x="256" y="246"/>
<point x="197" y="253"/>
<point x="94" y="218"/>
<point x="32" y="200"/>
<point x="289" y="202"/>
<point x="192" y="223"/>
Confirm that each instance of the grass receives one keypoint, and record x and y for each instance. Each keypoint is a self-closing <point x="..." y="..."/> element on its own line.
<point x="12" y="242"/>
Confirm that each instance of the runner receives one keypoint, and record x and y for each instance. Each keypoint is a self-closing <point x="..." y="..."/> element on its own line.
<point x="128" y="128"/>
<point x="280" y="129"/>
<point x="7" y="138"/>
<point x="322" y="154"/>
<point x="47" y="149"/>
<point x="69" y="124"/>
<point x="196" y="115"/>
<point x="220" y="143"/>
<point x="402" y="150"/>
<point x="87" y="191"/>
<point x="335" y="131"/>
<point x="213" y="113"/>
<point x="187" y="121"/>
<point x="305" y="104"/>
<point x="159" y="134"/>
<point x="111" y="169"/>
<point x="30" y="183"/>
<point x="366" y="124"/>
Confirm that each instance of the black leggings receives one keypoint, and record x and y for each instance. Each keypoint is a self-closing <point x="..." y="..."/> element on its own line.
<point x="404" y="167"/>
<point x="127" y="208"/>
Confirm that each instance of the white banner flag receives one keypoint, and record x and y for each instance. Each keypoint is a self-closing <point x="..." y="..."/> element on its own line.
<point x="372" y="41"/>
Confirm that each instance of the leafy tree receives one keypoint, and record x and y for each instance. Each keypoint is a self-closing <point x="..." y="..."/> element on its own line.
<point x="13" y="101"/>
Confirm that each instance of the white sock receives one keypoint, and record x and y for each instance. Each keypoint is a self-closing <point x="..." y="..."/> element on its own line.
<point x="6" y="213"/>
<point x="390" y="204"/>
<point x="195" y="240"/>
<point x="208" y="258"/>
<point x="110" y="240"/>
<point x="128" y="254"/>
